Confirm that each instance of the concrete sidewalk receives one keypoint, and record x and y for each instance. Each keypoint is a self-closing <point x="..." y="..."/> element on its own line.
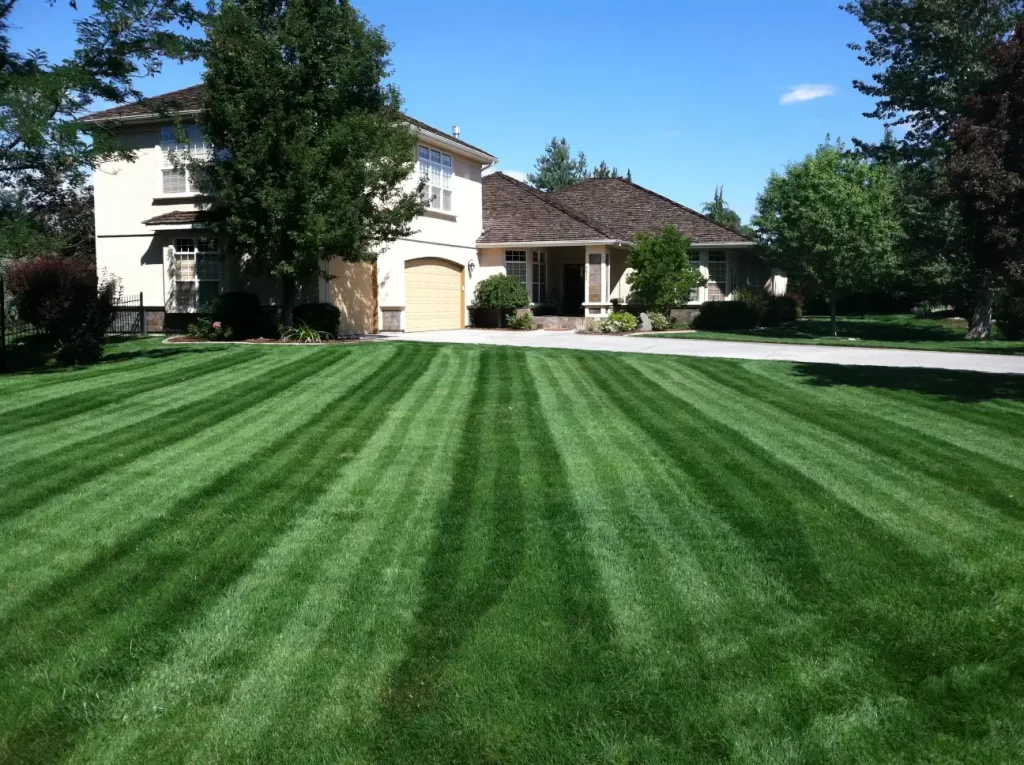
<point x="810" y="354"/>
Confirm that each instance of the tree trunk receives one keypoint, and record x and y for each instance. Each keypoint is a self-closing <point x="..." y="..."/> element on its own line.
<point x="287" y="301"/>
<point x="832" y="312"/>
<point x="981" y="311"/>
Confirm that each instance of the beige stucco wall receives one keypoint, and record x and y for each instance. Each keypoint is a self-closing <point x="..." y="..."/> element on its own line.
<point x="129" y="192"/>
<point x="352" y="289"/>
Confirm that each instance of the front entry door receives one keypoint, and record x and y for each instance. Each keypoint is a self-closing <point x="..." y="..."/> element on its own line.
<point x="573" y="280"/>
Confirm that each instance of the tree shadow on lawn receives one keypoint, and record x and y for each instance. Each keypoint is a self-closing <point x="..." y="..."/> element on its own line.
<point x="963" y="387"/>
<point x="36" y="359"/>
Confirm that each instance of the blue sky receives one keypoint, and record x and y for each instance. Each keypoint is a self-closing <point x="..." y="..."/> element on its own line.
<point x="687" y="94"/>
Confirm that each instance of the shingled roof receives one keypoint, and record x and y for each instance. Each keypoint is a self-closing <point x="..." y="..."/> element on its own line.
<point x="631" y="209"/>
<point x="599" y="209"/>
<point x="190" y="100"/>
<point x="181" y="217"/>
<point x="515" y="212"/>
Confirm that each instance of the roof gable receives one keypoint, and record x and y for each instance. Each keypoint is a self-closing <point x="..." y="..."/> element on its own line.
<point x="515" y="212"/>
<point x="190" y="100"/>
<point x="631" y="209"/>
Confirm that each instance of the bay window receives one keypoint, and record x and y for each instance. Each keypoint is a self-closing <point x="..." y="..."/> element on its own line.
<point x="436" y="170"/>
<point x="198" y="272"/>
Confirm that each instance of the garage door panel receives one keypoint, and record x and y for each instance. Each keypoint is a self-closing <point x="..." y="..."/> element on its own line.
<point x="433" y="295"/>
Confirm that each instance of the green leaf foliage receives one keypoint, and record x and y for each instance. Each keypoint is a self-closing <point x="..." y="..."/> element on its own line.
<point x="830" y="221"/>
<point x="662" y="276"/>
<point x="718" y="210"/>
<point x="501" y="292"/>
<point x="313" y="154"/>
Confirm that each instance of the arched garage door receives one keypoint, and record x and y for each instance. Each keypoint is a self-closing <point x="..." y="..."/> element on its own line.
<point x="433" y="295"/>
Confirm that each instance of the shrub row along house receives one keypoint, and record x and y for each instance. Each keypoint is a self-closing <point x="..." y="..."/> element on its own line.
<point x="570" y="248"/>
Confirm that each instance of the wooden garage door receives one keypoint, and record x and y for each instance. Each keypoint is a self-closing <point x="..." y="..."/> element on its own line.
<point x="433" y="295"/>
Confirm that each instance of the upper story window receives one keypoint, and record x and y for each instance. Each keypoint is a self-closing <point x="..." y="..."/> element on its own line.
<point x="181" y="180"/>
<point x="436" y="169"/>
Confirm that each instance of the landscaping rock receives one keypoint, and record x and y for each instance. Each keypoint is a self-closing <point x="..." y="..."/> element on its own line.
<point x="645" y="323"/>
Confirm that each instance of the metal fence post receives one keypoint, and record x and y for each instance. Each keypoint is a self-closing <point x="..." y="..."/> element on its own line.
<point x="3" y="328"/>
<point x="142" y="317"/>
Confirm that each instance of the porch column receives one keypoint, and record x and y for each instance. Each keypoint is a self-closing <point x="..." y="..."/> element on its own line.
<point x="598" y="265"/>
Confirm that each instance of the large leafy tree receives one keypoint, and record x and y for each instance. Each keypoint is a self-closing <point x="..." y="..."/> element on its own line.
<point x="43" y="146"/>
<point x="928" y="56"/>
<point x="831" y="222"/>
<point x="662" y="276"/>
<point x="314" y="157"/>
<point x="555" y="168"/>
<point x="987" y="169"/>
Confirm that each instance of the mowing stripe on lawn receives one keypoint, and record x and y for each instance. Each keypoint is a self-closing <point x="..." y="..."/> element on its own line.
<point x="151" y="485"/>
<point x="278" y="634"/>
<point x="989" y="480"/>
<point x="203" y="540"/>
<point x="35" y="482"/>
<point x="75" y="403"/>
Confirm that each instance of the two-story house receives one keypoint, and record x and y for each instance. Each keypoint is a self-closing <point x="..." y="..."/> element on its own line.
<point x="569" y="248"/>
<point x="153" y="230"/>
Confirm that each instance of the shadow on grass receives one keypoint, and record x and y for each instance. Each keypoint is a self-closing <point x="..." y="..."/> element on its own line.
<point x="965" y="387"/>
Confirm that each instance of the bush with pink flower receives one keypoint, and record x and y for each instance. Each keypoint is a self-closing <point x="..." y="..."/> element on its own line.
<point x="205" y="329"/>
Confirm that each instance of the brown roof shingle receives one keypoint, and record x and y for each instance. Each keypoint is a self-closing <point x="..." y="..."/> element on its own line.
<point x="515" y="212"/>
<point x="181" y="217"/>
<point x="631" y="209"/>
<point x="191" y="99"/>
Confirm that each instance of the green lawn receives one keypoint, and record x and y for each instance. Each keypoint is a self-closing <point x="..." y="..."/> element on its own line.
<point x="880" y="331"/>
<point x="403" y="553"/>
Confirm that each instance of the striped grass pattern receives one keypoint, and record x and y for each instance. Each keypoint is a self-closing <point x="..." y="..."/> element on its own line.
<point x="398" y="553"/>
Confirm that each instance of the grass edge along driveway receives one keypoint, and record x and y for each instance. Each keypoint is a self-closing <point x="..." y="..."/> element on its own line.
<point x="874" y="331"/>
<point x="416" y="553"/>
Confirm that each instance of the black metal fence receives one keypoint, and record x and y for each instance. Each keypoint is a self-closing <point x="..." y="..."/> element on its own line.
<point x="128" y="320"/>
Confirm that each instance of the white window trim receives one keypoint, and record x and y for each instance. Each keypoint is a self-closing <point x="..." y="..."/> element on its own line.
<point x="180" y="248"/>
<point x="197" y="147"/>
<point x="436" y="166"/>
<point x="521" y="267"/>
<point x="542" y="256"/>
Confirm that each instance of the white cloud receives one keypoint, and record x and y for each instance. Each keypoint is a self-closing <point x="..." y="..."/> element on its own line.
<point x="802" y="93"/>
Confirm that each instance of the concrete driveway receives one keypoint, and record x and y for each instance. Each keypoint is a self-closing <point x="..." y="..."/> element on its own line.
<point x="811" y="354"/>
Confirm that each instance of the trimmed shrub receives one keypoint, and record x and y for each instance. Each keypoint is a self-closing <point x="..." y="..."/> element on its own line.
<point x="1009" y="315"/>
<point x="618" y="322"/>
<point x="63" y="298"/>
<point x="725" y="316"/>
<point x="781" y="309"/>
<point x="322" y="317"/>
<point x="207" y="329"/>
<point x="659" y="321"/>
<point x="501" y="292"/>
<point x="520" y="321"/>
<point x="240" y="312"/>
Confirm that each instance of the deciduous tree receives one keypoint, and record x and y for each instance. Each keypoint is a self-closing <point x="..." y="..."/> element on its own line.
<point x="314" y="155"/>
<point x="662" y="276"/>
<point x="987" y="167"/>
<point x="927" y="57"/>
<point x="830" y="221"/>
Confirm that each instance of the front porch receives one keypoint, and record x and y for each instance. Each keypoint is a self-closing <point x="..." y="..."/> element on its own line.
<point x="572" y="281"/>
